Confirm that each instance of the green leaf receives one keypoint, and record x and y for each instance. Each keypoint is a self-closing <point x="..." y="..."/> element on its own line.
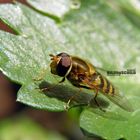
<point x="51" y="7"/>
<point x="94" y="32"/>
<point x="114" y="124"/>
<point x="131" y="9"/>
<point x="55" y="9"/>
<point x="17" y="130"/>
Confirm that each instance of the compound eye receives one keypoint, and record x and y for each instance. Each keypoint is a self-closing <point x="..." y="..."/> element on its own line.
<point x="64" y="65"/>
<point x="63" y="54"/>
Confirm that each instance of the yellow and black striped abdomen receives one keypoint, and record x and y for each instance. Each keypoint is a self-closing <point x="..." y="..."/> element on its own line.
<point x="102" y="84"/>
<point x="105" y="86"/>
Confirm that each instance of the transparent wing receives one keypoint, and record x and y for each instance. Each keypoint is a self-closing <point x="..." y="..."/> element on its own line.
<point x="117" y="98"/>
<point x="120" y="100"/>
<point x="101" y="70"/>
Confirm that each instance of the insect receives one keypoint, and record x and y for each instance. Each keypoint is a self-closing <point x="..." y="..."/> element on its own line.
<point x="83" y="74"/>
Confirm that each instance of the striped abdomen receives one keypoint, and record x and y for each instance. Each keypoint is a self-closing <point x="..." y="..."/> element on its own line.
<point x="102" y="84"/>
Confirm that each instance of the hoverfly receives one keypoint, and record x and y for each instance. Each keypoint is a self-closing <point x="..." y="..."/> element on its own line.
<point x="83" y="74"/>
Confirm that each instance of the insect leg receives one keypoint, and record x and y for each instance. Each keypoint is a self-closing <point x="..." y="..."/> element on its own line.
<point x="69" y="101"/>
<point x="40" y="78"/>
<point x="71" y="98"/>
<point x="91" y="86"/>
<point x="48" y="88"/>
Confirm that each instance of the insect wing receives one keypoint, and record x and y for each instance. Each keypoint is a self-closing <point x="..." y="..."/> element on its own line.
<point x="101" y="70"/>
<point x="117" y="97"/>
<point x="120" y="100"/>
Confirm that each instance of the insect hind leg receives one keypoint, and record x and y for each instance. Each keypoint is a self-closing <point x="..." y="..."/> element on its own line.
<point x="91" y="86"/>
